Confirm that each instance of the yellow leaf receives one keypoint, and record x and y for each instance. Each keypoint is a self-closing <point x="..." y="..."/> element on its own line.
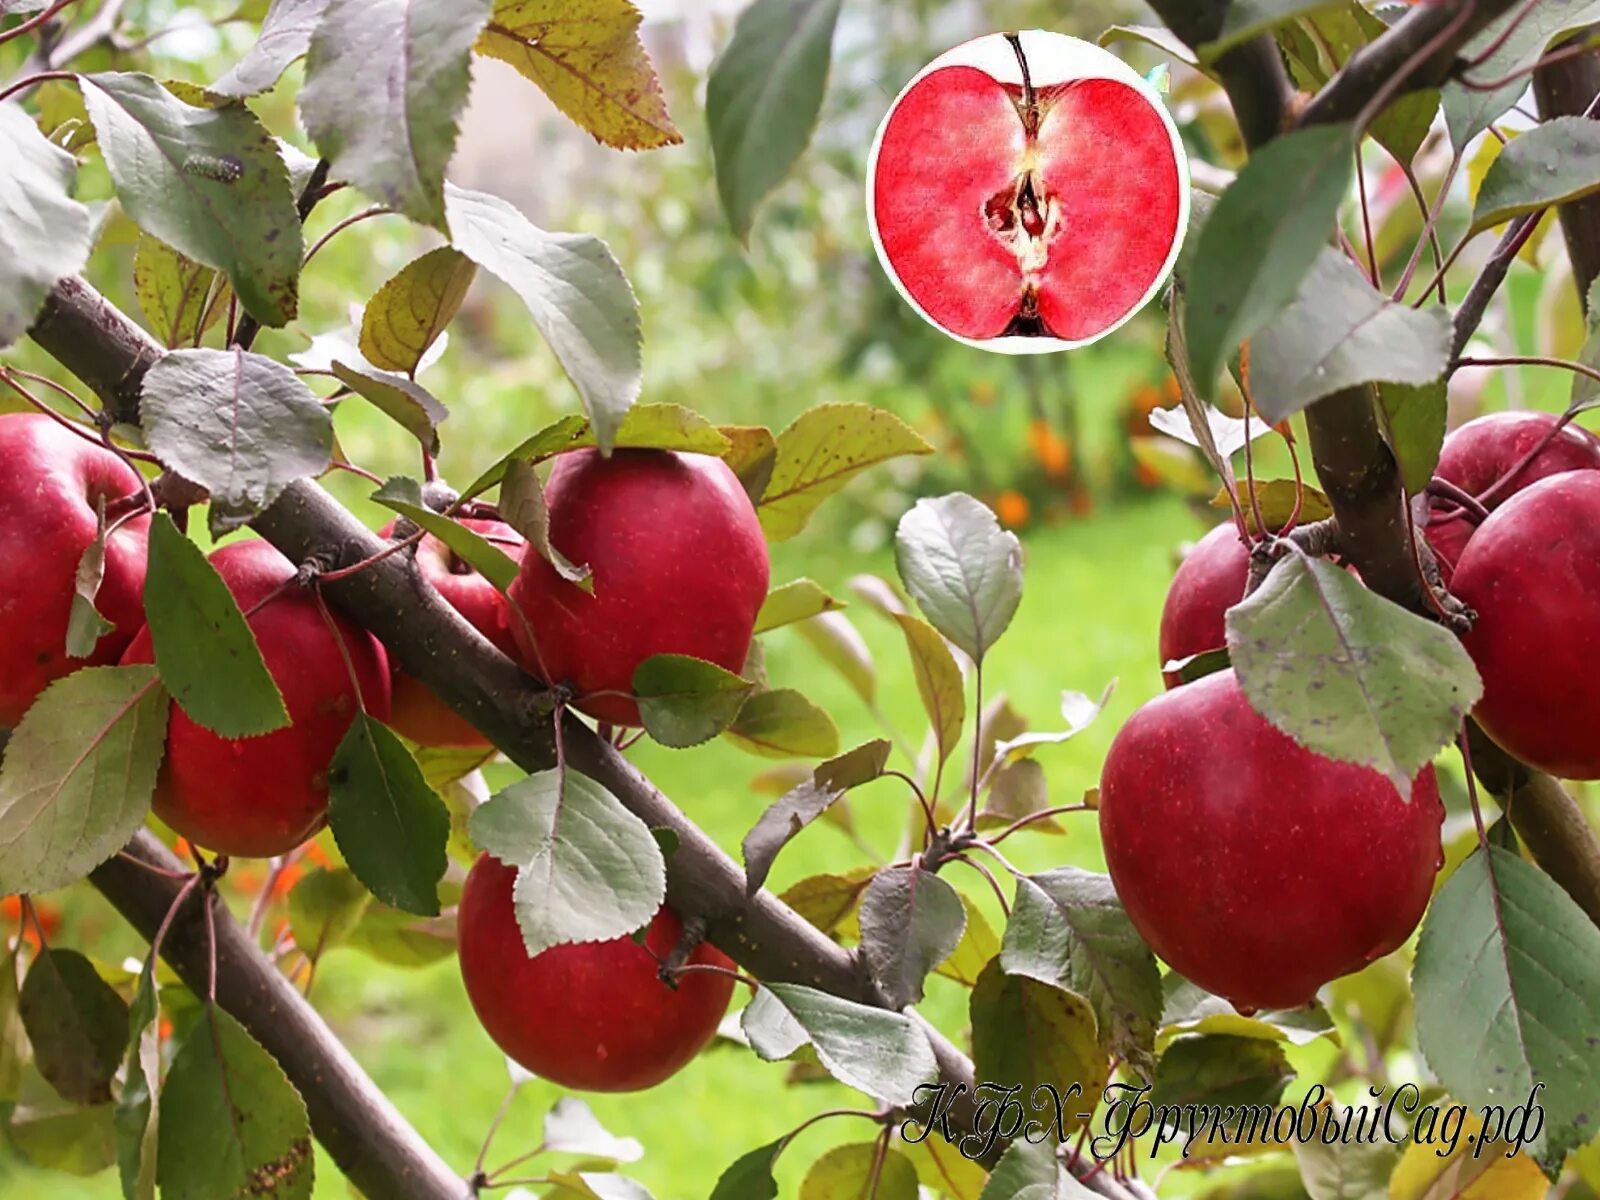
<point x="1424" y="1175"/>
<point x="587" y="57"/>
<point x="978" y="945"/>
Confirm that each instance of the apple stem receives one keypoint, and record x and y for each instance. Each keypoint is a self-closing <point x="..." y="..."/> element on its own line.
<point x="1030" y="100"/>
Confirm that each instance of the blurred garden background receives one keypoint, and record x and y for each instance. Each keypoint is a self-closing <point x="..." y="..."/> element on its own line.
<point x="1059" y="445"/>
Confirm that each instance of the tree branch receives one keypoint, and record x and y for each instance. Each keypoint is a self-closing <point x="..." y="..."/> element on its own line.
<point x="1562" y="89"/>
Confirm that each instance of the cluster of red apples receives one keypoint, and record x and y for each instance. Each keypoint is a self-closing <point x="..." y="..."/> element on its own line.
<point x="1308" y="868"/>
<point x="679" y="565"/>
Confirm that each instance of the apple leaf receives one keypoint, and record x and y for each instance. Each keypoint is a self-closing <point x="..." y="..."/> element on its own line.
<point x="204" y="649"/>
<point x="961" y="568"/>
<point x="1078" y="710"/>
<point x="829" y="901"/>
<point x="684" y="701"/>
<point x="750" y="1175"/>
<point x="752" y="453"/>
<point x="1221" y="1069"/>
<point x="238" y="424"/>
<point x="285" y="36"/>
<point x="231" y="1123"/>
<point x="1261" y="240"/>
<point x="939" y="681"/>
<point x="838" y="643"/>
<point x="1507" y="981"/>
<point x="325" y="907"/>
<point x="884" y="1054"/>
<point x="779" y="824"/>
<point x="860" y="1169"/>
<point x="85" y="625"/>
<point x="570" y="1127"/>
<point x="794" y="601"/>
<point x="820" y="452"/>
<point x="13" y="1038"/>
<point x="1031" y="1171"/>
<point x="179" y="297"/>
<point x="763" y="98"/>
<point x="137" y="1129"/>
<point x="404" y="496"/>
<point x="574" y="289"/>
<point x="1553" y="163"/>
<point x="76" y="1023"/>
<point x="1189" y="1008"/>
<point x="911" y="921"/>
<point x="207" y="181"/>
<point x="1029" y="1032"/>
<point x="588" y="58"/>
<point x="979" y="943"/>
<point x="57" y="1135"/>
<point x="587" y="868"/>
<point x="44" y="232"/>
<point x="78" y="775"/>
<point x="1068" y="928"/>
<point x="1513" y="41"/>
<point x="1227" y="434"/>
<point x="1158" y="36"/>
<point x="391" y="827"/>
<point x="523" y="507"/>
<point x="1414" y="420"/>
<point x="856" y="766"/>
<point x="413" y="407"/>
<point x="1347" y="1170"/>
<point x="1340" y="331"/>
<point x="1244" y="19"/>
<point x="1348" y="674"/>
<point x="386" y="81"/>
<point x="409" y="312"/>
<point x="1018" y="791"/>
<point x="1277" y="500"/>
<point x="784" y="724"/>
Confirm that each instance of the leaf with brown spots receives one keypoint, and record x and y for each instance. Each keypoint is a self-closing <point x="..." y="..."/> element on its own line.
<point x="586" y="56"/>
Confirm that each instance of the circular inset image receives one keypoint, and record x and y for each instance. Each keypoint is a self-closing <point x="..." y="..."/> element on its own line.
<point x="1027" y="192"/>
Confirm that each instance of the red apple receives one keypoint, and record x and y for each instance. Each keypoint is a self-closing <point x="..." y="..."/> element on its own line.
<point x="1483" y="452"/>
<point x="1210" y="580"/>
<point x="679" y="567"/>
<point x="1532" y="574"/>
<point x="1253" y="866"/>
<point x="590" y="1015"/>
<point x="1042" y="202"/>
<point x="416" y="711"/>
<point x="256" y="797"/>
<point x="55" y="481"/>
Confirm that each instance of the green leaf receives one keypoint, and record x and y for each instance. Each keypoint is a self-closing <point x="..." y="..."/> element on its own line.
<point x="750" y="1176"/>
<point x="1078" y="710"/>
<point x="1159" y="36"/>
<point x="240" y="425"/>
<point x="784" y="724"/>
<point x="1220" y="1069"/>
<point x="1068" y="928"/>
<point x="911" y="921"/>
<point x="179" y="297"/>
<point x="763" y="97"/>
<point x="797" y="600"/>
<point x="207" y="181"/>
<point x="1507" y="980"/>
<point x="684" y="701"/>
<point x="1516" y="39"/>
<point x="838" y="643"/>
<point x="1017" y="791"/>
<point x="523" y="507"/>
<point x="854" y="767"/>
<point x="1348" y="674"/>
<point x="285" y="36"/>
<point x="1261" y="240"/>
<point x="404" y="496"/>
<point x="939" y="681"/>
<point x="977" y="946"/>
<point x="401" y="940"/>
<point x="1189" y="1008"/>
<point x="76" y="1023"/>
<point x="884" y="1054"/>
<point x="1348" y="1170"/>
<point x="1031" y="1171"/>
<point x="207" y="656"/>
<point x="44" y="232"/>
<point x="386" y="81"/>
<point x="570" y="1127"/>
<point x="58" y="1136"/>
<point x="391" y="827"/>
<point x="410" y="405"/>
<point x="829" y="901"/>
<point x="588" y="58"/>
<point x="409" y="312"/>
<point x="13" y="1038"/>
<point x="961" y="568"/>
<point x="587" y="868"/>
<point x="232" y="1125"/>
<point x="575" y="291"/>
<point x="85" y="625"/>
<point x="325" y="908"/>
<point x="1342" y="30"/>
<point x="1340" y="331"/>
<point x="78" y="775"/>
<point x="1414" y="423"/>
<point x="1244" y="19"/>
<point x="825" y="448"/>
<point x="1552" y="163"/>
<point x="779" y="824"/>
<point x="1032" y="1033"/>
<point x="1278" y="500"/>
<point x="137" y="1131"/>
<point x="856" y="1172"/>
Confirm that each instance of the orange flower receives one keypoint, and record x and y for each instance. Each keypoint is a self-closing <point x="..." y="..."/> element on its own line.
<point x="1053" y="451"/>
<point x="1012" y="509"/>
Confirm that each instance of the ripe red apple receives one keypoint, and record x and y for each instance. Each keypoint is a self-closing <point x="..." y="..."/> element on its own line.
<point x="1532" y="574"/>
<point x="256" y="797"/>
<point x="679" y="567"/>
<point x="416" y="711"/>
<point x="1032" y="188"/>
<point x="1484" y="451"/>
<point x="590" y="1015"/>
<point x="1210" y="580"/>
<point x="1253" y="866"/>
<point x="54" y="483"/>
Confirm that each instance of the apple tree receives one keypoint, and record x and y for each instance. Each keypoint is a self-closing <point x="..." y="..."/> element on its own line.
<point x="1271" y="824"/>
